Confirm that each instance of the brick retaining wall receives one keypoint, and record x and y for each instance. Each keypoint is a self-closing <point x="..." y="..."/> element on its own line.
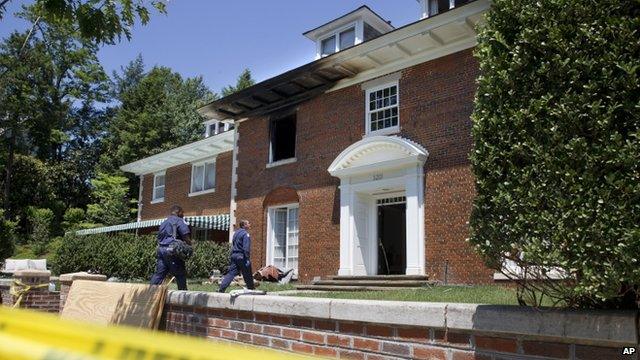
<point x="358" y="329"/>
<point x="371" y="330"/>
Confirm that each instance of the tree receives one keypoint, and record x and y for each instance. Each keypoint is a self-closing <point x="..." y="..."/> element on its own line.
<point x="96" y="21"/>
<point x="556" y="141"/>
<point x="157" y="113"/>
<point x="51" y="85"/>
<point x="112" y="206"/>
<point x="40" y="222"/>
<point x="244" y="81"/>
<point x="7" y="237"/>
<point x="31" y="186"/>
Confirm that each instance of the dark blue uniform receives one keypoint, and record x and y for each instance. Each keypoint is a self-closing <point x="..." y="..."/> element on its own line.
<point x="239" y="261"/>
<point x="166" y="263"/>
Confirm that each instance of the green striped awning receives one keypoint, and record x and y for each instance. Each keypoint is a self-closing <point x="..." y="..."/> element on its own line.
<point x="215" y="222"/>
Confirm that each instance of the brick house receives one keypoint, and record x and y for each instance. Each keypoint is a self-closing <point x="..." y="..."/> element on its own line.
<point x="197" y="176"/>
<point x="357" y="163"/>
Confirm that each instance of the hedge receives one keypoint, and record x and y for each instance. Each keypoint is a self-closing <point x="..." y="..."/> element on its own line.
<point x="127" y="256"/>
<point x="556" y="157"/>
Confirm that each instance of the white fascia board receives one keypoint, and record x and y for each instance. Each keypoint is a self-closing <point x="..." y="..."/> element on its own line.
<point x="195" y="151"/>
<point x="386" y="42"/>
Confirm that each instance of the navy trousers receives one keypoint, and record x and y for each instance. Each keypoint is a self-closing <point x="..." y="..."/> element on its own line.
<point x="169" y="264"/>
<point x="238" y="265"/>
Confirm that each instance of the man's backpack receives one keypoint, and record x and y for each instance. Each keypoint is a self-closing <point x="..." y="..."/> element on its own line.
<point x="179" y="248"/>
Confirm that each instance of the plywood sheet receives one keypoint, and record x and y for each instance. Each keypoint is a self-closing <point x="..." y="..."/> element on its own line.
<point x="99" y="302"/>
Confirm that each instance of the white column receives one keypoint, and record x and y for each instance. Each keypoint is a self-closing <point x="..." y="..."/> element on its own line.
<point x="415" y="220"/>
<point x="346" y="262"/>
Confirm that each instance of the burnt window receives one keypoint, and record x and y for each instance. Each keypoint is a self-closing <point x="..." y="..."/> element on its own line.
<point x="283" y="138"/>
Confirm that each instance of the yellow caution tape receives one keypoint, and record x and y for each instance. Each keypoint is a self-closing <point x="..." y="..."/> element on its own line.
<point x="27" y="335"/>
<point x="19" y="289"/>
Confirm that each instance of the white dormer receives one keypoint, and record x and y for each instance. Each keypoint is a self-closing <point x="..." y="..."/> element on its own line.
<point x="215" y="127"/>
<point x="348" y="30"/>
<point x="433" y="7"/>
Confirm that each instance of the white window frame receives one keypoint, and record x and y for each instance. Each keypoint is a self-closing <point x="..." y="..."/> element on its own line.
<point x="155" y="200"/>
<point x="219" y="127"/>
<point x="427" y="7"/>
<point x="386" y="131"/>
<point x="215" y="180"/>
<point x="357" y="28"/>
<point x="271" y="234"/>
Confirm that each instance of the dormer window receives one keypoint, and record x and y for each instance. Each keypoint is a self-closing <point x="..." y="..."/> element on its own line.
<point x="214" y="127"/>
<point x="338" y="41"/>
<point x="346" y="31"/>
<point x="435" y="7"/>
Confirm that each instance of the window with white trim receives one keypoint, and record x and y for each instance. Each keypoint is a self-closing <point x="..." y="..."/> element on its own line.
<point x="337" y="41"/>
<point x="283" y="237"/>
<point x="383" y="109"/>
<point x="158" y="187"/>
<point x="213" y="127"/>
<point x="203" y="176"/>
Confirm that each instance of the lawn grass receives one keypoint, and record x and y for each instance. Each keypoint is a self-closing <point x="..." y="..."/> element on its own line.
<point x="479" y="294"/>
<point x="474" y="294"/>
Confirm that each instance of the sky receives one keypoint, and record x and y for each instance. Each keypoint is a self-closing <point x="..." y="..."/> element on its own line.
<point x="218" y="39"/>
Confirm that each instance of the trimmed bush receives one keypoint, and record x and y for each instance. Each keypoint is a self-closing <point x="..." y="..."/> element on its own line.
<point x="127" y="256"/>
<point x="557" y="147"/>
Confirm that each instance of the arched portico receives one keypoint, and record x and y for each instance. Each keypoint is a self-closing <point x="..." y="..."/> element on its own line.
<point x="375" y="171"/>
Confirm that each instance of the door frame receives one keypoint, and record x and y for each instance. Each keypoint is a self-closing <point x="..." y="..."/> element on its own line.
<point x="377" y="197"/>
<point x="271" y="233"/>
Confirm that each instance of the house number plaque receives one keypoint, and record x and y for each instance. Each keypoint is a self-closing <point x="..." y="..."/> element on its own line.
<point x="377" y="176"/>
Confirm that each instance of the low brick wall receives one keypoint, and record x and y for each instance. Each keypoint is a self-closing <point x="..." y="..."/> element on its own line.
<point x="358" y="329"/>
<point x="372" y="330"/>
<point x="38" y="298"/>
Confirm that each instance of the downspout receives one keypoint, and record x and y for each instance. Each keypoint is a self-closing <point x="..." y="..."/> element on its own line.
<point x="234" y="179"/>
<point x="140" y="189"/>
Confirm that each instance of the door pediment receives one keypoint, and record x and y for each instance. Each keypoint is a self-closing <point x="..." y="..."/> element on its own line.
<point x="377" y="152"/>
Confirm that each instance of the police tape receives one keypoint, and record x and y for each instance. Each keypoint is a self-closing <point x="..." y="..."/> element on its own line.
<point x="27" y="335"/>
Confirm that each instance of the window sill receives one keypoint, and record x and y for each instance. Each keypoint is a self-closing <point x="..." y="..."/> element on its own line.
<point x="209" y="191"/>
<point x="387" y="131"/>
<point x="281" y="162"/>
<point x="157" y="201"/>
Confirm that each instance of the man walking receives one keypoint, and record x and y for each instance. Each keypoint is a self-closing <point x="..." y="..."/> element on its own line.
<point x="239" y="261"/>
<point x="173" y="228"/>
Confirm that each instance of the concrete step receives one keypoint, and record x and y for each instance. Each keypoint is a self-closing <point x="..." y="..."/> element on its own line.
<point x="381" y="277"/>
<point x="350" y="288"/>
<point x="378" y="283"/>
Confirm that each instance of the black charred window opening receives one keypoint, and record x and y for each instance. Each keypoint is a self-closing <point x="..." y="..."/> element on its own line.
<point x="283" y="138"/>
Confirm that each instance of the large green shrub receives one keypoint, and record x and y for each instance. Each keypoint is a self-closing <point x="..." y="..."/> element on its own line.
<point x="128" y="256"/>
<point x="557" y="146"/>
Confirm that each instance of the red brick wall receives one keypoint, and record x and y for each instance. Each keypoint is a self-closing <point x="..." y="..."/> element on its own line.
<point x="360" y="340"/>
<point x="178" y="185"/>
<point x="436" y="100"/>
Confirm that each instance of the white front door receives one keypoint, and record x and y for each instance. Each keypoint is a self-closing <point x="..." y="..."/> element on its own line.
<point x="363" y="244"/>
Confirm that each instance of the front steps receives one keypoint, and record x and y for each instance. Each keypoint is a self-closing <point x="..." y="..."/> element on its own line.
<point x="368" y="283"/>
